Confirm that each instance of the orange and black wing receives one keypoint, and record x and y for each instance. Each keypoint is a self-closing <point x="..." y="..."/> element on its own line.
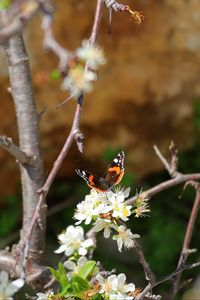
<point x="115" y="170"/>
<point x="93" y="181"/>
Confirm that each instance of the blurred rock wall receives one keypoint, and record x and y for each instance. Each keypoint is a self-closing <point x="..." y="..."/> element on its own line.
<point x="144" y="95"/>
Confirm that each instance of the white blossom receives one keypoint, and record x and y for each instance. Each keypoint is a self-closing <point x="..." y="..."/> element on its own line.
<point x="72" y="240"/>
<point x="119" y="285"/>
<point x="78" y="81"/>
<point x="45" y="296"/>
<point x="94" y="204"/>
<point x="115" y="288"/>
<point x="73" y="267"/>
<point x="117" y="205"/>
<point x="98" y="204"/>
<point x="106" y="284"/>
<point x="126" y="237"/>
<point x="92" y="54"/>
<point x="104" y="224"/>
<point x="8" y="288"/>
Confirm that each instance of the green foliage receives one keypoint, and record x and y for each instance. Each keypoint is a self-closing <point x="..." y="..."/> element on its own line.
<point x="61" y="276"/>
<point x="4" y="4"/>
<point x="197" y="114"/>
<point x="9" y="216"/>
<point x="79" y="283"/>
<point x="87" y="269"/>
<point x="55" y="74"/>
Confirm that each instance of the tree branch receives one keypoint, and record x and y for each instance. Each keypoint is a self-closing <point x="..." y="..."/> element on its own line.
<point x="27" y="119"/>
<point x="181" y="178"/>
<point x="147" y="270"/>
<point x="172" y="166"/>
<point x="7" y="144"/>
<point x="17" y="21"/>
<point x="51" y="44"/>
<point x="149" y="287"/>
<point x="186" y="244"/>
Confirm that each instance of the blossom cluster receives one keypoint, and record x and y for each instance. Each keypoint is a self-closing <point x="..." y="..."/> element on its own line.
<point x="114" y="287"/>
<point x="82" y="69"/>
<point x="73" y="242"/>
<point x="106" y="210"/>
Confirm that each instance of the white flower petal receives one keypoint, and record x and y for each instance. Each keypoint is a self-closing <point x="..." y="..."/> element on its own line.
<point x="130" y="287"/>
<point x="87" y="243"/>
<point x="70" y="265"/>
<point x="4" y="278"/>
<point x="107" y="232"/>
<point x="61" y="249"/>
<point x="82" y="251"/>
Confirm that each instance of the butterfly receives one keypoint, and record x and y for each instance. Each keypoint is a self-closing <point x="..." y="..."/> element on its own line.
<point x="112" y="176"/>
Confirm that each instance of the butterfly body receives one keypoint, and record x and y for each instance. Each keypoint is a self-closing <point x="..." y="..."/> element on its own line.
<point x="112" y="176"/>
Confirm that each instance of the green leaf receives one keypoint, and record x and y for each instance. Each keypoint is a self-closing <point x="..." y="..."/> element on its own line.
<point x="55" y="74"/>
<point x="79" y="284"/>
<point x="87" y="269"/>
<point x="63" y="275"/>
<point x="4" y="4"/>
<point x="54" y="273"/>
<point x="60" y="275"/>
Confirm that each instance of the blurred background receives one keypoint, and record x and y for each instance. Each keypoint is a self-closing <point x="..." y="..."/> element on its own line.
<point x="148" y="93"/>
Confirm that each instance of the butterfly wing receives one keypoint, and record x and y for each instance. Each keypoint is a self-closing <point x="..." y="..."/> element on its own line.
<point x="115" y="171"/>
<point x="93" y="181"/>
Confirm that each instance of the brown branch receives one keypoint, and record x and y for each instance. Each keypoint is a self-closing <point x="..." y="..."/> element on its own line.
<point x="7" y="144"/>
<point x="149" y="287"/>
<point x="181" y="178"/>
<point x="8" y="263"/>
<point x="51" y="44"/>
<point x="75" y="132"/>
<point x="147" y="270"/>
<point x="172" y="166"/>
<point x="17" y="22"/>
<point x="19" y="14"/>
<point x="186" y="244"/>
<point x="27" y="119"/>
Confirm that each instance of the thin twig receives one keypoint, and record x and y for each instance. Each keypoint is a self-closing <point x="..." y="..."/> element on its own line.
<point x="165" y="185"/>
<point x="149" y="287"/>
<point x="147" y="270"/>
<point x="75" y="132"/>
<point x="51" y="44"/>
<point x="14" y="150"/>
<point x="174" y="159"/>
<point x="186" y="244"/>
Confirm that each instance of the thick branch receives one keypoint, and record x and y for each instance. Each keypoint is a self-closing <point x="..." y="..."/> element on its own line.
<point x="27" y="119"/>
<point x="17" y="16"/>
<point x="8" y="145"/>
<point x="17" y="22"/>
<point x="8" y="263"/>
